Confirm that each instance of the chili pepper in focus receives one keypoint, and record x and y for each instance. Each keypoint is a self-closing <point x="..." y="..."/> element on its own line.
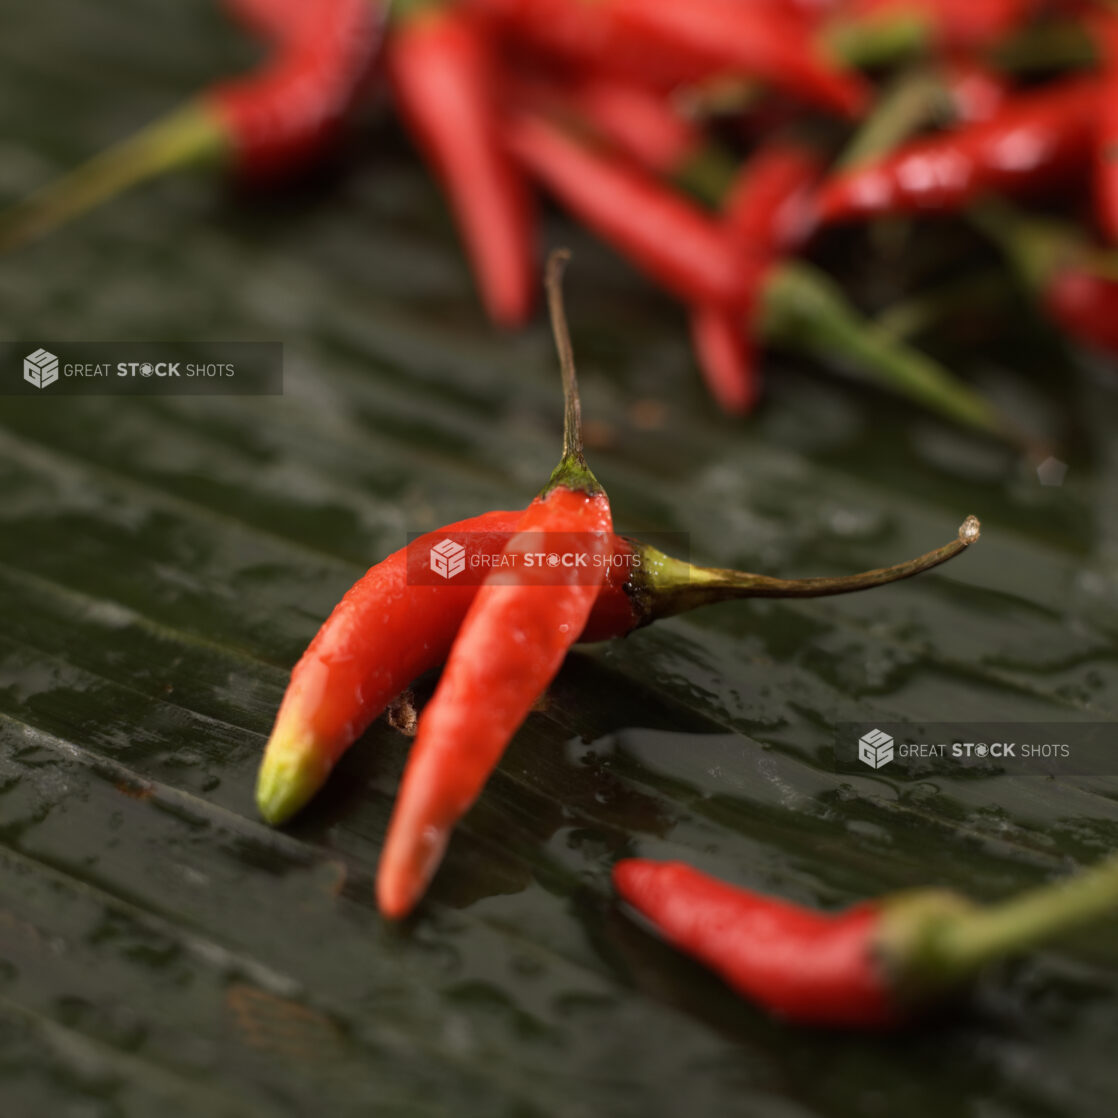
<point x="1037" y="141"/>
<point x="391" y="627"/>
<point x="871" y="966"/>
<point x="510" y="646"/>
<point x="442" y="79"/>
<point x="269" y="123"/>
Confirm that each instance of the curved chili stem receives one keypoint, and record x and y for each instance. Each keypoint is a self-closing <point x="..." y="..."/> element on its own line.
<point x="663" y="586"/>
<point x="930" y="942"/>
<point x="572" y="471"/>
<point x="190" y="135"/>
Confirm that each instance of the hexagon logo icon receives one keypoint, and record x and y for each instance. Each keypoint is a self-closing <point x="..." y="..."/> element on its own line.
<point x="448" y="558"/>
<point x="40" y="368"/>
<point x="875" y="749"/>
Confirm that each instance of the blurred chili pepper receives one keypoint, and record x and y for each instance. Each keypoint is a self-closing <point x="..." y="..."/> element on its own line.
<point x="674" y="242"/>
<point x="633" y="119"/>
<point x="667" y="44"/>
<point x="1073" y="282"/>
<point x="1036" y="141"/>
<point x="512" y="642"/>
<point x="270" y="123"/>
<point x="871" y="966"/>
<point x="443" y="79"/>
<point x="393" y="626"/>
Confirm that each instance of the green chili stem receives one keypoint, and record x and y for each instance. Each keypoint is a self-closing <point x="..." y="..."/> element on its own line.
<point x="911" y="101"/>
<point x="877" y="42"/>
<point x="664" y="587"/>
<point x="192" y="134"/>
<point x="805" y="310"/>
<point x="981" y="935"/>
<point x="572" y="471"/>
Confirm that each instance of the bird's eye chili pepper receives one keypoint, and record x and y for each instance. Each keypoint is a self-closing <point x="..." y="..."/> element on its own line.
<point x="633" y="119"/>
<point x="512" y="642"/>
<point x="768" y="211"/>
<point x="673" y="241"/>
<point x="691" y="254"/>
<point x="443" y="80"/>
<point x="1036" y="142"/>
<point x="271" y="122"/>
<point x="390" y="629"/>
<point x="668" y="44"/>
<point x="872" y="966"/>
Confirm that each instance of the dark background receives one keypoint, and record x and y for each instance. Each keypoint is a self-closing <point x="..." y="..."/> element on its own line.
<point x="164" y="561"/>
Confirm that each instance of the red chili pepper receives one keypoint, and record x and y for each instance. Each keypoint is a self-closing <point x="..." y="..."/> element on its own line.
<point x="750" y="40"/>
<point x="769" y="208"/>
<point x="768" y="212"/>
<point x="279" y="119"/>
<point x="442" y="78"/>
<point x="1037" y="141"/>
<point x="725" y="356"/>
<point x="807" y="966"/>
<point x="1106" y="152"/>
<point x="269" y="123"/>
<point x="870" y="966"/>
<point x="666" y="236"/>
<point x="277" y="20"/>
<point x="633" y="119"/>
<point x="510" y="646"/>
<point x="1085" y="304"/>
<point x="391" y="627"/>
<point x="668" y="44"/>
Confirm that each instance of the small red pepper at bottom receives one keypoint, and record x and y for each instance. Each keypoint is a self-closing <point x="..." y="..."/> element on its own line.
<point x="807" y="966"/>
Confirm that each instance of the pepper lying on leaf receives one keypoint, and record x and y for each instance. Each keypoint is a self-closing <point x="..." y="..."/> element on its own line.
<point x="871" y="966"/>
<point x="505" y="642"/>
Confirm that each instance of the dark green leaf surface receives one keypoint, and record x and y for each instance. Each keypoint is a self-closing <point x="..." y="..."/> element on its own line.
<point x="164" y="561"/>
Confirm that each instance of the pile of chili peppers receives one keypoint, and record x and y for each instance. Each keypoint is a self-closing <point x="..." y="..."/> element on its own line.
<point x="712" y="143"/>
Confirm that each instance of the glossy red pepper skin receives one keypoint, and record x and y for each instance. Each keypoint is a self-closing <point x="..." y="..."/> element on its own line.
<point x="1085" y="305"/>
<point x="807" y="967"/>
<point x="663" y="234"/>
<point x="1036" y="142"/>
<point x="665" y="44"/>
<point x="279" y="21"/>
<point x="282" y="116"/>
<point x="442" y="78"/>
<point x="977" y="92"/>
<point x="511" y="644"/>
<point x="754" y="40"/>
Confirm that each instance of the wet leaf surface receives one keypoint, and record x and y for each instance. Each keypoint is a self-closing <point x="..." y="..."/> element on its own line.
<point x="164" y="561"/>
